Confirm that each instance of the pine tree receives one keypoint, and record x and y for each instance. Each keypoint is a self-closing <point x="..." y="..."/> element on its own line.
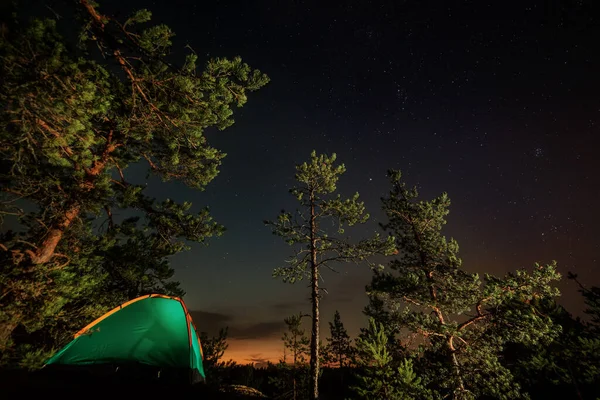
<point x="380" y="377"/>
<point x="591" y="296"/>
<point x="317" y="249"/>
<point x="588" y="343"/>
<point x="291" y="379"/>
<point x="295" y="340"/>
<point x="213" y="350"/>
<point x="376" y="309"/>
<point x="74" y="116"/>
<point x="464" y="325"/>
<point x="298" y="344"/>
<point x="563" y="368"/>
<point x="570" y="365"/>
<point x="339" y="350"/>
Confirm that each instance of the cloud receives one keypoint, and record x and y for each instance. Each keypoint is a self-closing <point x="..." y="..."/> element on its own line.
<point x="258" y="330"/>
<point x="258" y="360"/>
<point x="210" y="322"/>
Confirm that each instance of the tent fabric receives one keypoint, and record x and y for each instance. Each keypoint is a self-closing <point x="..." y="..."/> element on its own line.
<point x="154" y="330"/>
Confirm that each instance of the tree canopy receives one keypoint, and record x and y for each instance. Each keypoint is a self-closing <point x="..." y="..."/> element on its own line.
<point x="76" y="112"/>
<point x="315" y="229"/>
<point x="464" y="324"/>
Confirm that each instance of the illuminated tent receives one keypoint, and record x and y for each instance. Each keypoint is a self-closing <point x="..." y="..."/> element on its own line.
<point x="153" y="332"/>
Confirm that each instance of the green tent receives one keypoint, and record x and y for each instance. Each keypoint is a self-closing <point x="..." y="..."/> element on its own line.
<point x="154" y="331"/>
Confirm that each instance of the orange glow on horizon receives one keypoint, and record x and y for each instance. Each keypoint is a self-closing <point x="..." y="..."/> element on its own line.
<point x="247" y="351"/>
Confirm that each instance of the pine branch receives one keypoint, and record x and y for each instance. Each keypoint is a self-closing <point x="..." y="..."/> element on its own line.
<point x="480" y="316"/>
<point x="100" y="30"/>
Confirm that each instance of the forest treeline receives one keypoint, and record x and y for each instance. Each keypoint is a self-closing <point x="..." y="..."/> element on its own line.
<point x="86" y="95"/>
<point x="379" y="364"/>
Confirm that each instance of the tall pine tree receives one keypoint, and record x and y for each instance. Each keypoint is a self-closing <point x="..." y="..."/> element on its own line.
<point x="464" y="325"/>
<point x="73" y="117"/>
<point x="315" y="229"/>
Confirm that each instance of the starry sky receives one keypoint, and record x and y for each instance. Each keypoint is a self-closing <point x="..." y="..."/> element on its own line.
<point x="495" y="103"/>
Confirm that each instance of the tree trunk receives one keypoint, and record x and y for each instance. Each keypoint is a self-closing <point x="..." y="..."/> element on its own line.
<point x="45" y="251"/>
<point x="314" y="344"/>
<point x="294" y="370"/>
<point x="456" y="367"/>
<point x="341" y="369"/>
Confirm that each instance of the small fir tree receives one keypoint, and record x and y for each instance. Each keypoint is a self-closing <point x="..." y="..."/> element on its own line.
<point x="339" y="351"/>
<point x="213" y="350"/>
<point x="291" y="379"/>
<point x="376" y="309"/>
<point x="295" y="340"/>
<point x="382" y="377"/>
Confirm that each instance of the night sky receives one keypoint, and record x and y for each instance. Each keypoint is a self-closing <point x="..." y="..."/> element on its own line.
<point x="495" y="103"/>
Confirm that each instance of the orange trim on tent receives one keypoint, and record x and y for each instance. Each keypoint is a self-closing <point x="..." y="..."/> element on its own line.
<point x="85" y="329"/>
<point x="199" y="342"/>
<point x="190" y="321"/>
